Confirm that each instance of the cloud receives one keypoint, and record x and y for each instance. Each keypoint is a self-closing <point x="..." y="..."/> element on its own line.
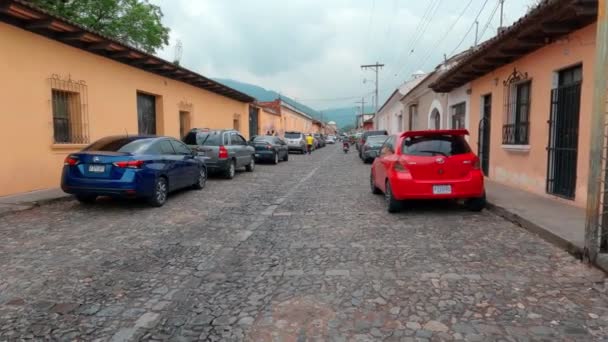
<point x="313" y="49"/>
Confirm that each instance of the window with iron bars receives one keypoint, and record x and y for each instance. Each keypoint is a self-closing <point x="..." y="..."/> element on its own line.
<point x="69" y="106"/>
<point x="516" y="129"/>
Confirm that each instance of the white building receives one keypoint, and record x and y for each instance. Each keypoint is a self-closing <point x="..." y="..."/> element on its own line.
<point x="392" y="113"/>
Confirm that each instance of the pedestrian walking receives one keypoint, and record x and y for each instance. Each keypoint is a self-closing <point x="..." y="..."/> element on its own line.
<point x="309" y="143"/>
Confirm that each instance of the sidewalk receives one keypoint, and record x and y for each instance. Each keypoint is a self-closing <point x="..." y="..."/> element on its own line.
<point x="28" y="200"/>
<point x="556" y="222"/>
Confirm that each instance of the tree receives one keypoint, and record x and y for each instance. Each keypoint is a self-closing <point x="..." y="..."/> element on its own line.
<point x="134" y="22"/>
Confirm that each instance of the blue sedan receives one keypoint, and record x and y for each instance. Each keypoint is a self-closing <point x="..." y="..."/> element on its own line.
<point x="146" y="167"/>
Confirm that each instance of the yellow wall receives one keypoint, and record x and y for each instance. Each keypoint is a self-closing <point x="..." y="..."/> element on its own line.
<point x="528" y="170"/>
<point x="292" y="121"/>
<point x="269" y="122"/>
<point x="30" y="160"/>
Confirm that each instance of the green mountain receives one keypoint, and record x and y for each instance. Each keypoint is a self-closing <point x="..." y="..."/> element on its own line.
<point x="343" y="116"/>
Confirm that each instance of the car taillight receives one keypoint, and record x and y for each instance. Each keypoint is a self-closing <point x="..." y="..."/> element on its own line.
<point x="129" y="164"/>
<point x="223" y="153"/>
<point x="269" y="147"/>
<point x="70" y="160"/>
<point x="399" y="167"/>
<point x="476" y="164"/>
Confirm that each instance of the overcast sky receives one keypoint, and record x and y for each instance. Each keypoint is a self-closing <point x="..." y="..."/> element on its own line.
<point x="312" y="50"/>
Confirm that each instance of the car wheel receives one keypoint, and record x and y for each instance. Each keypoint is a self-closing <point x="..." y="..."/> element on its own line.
<point x="251" y="166"/>
<point x="275" y="158"/>
<point x="201" y="181"/>
<point x="286" y="158"/>
<point x="476" y="204"/>
<point x="375" y="189"/>
<point x="230" y="171"/>
<point x="161" y="189"/>
<point x="86" y="199"/>
<point x="392" y="205"/>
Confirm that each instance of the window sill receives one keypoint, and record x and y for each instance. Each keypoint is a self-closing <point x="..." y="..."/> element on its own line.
<point x="68" y="146"/>
<point x="517" y="148"/>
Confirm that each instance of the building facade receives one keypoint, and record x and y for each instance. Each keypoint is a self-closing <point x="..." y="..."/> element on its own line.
<point x="530" y="101"/>
<point x="58" y="97"/>
<point x="291" y="118"/>
<point x="392" y="115"/>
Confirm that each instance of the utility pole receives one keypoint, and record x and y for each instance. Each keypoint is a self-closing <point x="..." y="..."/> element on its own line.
<point x="593" y="229"/>
<point x="376" y="67"/>
<point x="362" y="102"/>
<point x="476" y="31"/>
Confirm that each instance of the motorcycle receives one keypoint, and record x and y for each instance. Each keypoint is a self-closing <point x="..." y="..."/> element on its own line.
<point x="345" y="147"/>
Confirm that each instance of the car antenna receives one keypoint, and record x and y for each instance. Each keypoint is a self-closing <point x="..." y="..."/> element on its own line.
<point x="127" y="132"/>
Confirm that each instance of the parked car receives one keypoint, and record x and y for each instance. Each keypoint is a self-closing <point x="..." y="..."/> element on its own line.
<point x="331" y="139"/>
<point x="435" y="164"/>
<point x="296" y="141"/>
<point x="226" y="150"/>
<point x="364" y="136"/>
<point x="355" y="139"/>
<point x="371" y="148"/>
<point x="320" y="138"/>
<point x="132" y="167"/>
<point x="270" y="148"/>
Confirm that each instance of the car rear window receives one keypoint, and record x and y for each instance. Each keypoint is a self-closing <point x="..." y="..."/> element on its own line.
<point x="263" y="138"/>
<point x="209" y="139"/>
<point x="293" y="135"/>
<point x="373" y="133"/>
<point x="123" y="145"/>
<point x="435" y="145"/>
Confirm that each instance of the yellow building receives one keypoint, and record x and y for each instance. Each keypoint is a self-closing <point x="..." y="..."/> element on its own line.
<point x="65" y="87"/>
<point x="291" y="118"/>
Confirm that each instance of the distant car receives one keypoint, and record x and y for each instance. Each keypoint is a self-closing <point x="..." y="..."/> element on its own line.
<point x="132" y="167"/>
<point x="371" y="148"/>
<point x="270" y="148"/>
<point x="226" y="150"/>
<point x="320" y="138"/>
<point x="364" y="136"/>
<point x="331" y="139"/>
<point x="437" y="164"/>
<point x="296" y="141"/>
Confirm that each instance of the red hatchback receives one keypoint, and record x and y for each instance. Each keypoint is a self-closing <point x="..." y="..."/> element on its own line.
<point x="435" y="164"/>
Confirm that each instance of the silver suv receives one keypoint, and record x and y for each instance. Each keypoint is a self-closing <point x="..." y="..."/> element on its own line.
<point x="296" y="141"/>
<point x="225" y="150"/>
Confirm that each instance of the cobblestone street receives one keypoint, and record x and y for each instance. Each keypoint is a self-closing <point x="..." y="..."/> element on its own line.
<point x="295" y="252"/>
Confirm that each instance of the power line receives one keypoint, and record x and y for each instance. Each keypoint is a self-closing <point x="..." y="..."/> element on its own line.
<point x="445" y="35"/>
<point x="335" y="98"/>
<point x="371" y="19"/>
<point x="470" y="28"/>
<point x="418" y="27"/>
<point x="489" y="20"/>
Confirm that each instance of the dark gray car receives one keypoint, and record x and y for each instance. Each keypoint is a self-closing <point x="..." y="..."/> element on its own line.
<point x="226" y="150"/>
<point x="371" y="148"/>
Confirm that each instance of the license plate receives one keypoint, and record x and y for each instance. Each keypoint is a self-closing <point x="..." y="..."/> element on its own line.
<point x="442" y="189"/>
<point x="97" y="168"/>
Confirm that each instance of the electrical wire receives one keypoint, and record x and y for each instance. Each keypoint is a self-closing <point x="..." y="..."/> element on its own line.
<point x="445" y="35"/>
<point x="470" y="28"/>
<point x="485" y="28"/>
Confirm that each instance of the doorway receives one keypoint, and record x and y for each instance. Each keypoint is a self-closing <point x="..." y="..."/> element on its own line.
<point x="146" y="114"/>
<point x="483" y="142"/>
<point x="184" y="123"/>
<point x="253" y="121"/>
<point x="563" y="133"/>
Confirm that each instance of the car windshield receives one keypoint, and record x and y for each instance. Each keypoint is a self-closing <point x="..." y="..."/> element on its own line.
<point x="376" y="140"/>
<point x="435" y="145"/>
<point x="209" y="139"/>
<point x="123" y="145"/>
<point x="289" y="135"/>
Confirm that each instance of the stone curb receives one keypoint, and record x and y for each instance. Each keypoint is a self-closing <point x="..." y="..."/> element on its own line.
<point x="11" y="208"/>
<point x="542" y="232"/>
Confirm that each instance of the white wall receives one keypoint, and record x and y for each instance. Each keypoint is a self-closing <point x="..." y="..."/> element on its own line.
<point x="457" y="96"/>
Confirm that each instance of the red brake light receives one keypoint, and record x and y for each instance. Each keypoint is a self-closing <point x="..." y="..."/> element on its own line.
<point x="269" y="147"/>
<point x="399" y="167"/>
<point x="476" y="164"/>
<point x="70" y="160"/>
<point x="130" y="164"/>
<point x="223" y="153"/>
